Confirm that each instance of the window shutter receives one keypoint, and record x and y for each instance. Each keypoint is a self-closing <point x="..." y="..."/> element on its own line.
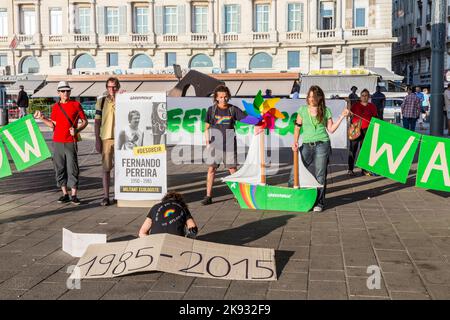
<point x="238" y="18"/>
<point x="101" y="20"/>
<point x="158" y="20"/>
<point x="123" y="20"/>
<point x="77" y="19"/>
<point x="181" y="12"/>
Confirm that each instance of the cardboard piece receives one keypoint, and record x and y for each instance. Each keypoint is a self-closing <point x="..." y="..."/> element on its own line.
<point x="76" y="244"/>
<point x="178" y="255"/>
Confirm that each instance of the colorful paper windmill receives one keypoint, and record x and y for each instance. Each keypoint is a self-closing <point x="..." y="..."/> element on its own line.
<point x="262" y="113"/>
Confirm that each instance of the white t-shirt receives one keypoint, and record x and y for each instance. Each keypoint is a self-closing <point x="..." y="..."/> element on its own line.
<point x="133" y="138"/>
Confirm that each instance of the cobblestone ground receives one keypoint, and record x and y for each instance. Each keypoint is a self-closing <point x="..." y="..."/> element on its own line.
<point x="368" y="221"/>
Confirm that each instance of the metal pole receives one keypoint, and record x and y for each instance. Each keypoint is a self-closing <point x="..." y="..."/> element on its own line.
<point x="438" y="43"/>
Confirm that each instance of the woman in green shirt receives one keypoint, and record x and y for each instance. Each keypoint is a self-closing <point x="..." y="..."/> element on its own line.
<point x="314" y="121"/>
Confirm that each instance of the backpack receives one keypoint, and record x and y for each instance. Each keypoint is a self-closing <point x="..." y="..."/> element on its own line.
<point x="231" y="109"/>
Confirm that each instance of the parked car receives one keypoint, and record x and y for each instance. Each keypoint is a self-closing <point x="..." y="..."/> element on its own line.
<point x="392" y="106"/>
<point x="89" y="109"/>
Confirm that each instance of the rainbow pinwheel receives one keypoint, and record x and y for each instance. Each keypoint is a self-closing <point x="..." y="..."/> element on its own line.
<point x="262" y="113"/>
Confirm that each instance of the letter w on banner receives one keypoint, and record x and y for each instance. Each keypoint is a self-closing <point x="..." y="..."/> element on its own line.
<point x="5" y="169"/>
<point x="432" y="170"/>
<point x="25" y="142"/>
<point x="388" y="150"/>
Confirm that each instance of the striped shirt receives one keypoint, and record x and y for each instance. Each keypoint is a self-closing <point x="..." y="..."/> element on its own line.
<point x="411" y="106"/>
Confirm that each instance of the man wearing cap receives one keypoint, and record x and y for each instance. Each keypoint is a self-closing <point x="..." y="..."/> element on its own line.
<point x="22" y="102"/>
<point x="105" y="113"/>
<point x="64" y="122"/>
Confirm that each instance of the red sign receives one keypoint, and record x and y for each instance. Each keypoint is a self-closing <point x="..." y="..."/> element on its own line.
<point x="14" y="43"/>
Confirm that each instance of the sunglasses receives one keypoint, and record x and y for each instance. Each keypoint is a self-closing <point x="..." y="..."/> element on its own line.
<point x="64" y="91"/>
<point x="112" y="87"/>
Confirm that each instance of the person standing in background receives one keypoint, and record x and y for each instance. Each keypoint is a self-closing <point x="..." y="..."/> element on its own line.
<point x="22" y="102"/>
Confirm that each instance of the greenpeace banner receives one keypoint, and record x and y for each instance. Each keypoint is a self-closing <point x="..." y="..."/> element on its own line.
<point x="25" y="143"/>
<point x="389" y="150"/>
<point x="140" y="150"/>
<point x="186" y="122"/>
<point x="5" y="169"/>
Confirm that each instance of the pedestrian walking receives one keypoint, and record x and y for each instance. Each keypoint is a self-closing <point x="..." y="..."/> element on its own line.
<point x="410" y="110"/>
<point x="22" y="102"/>
<point x="64" y="120"/>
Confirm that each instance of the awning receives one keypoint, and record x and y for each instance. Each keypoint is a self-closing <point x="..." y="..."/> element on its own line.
<point x="233" y="86"/>
<point x="48" y="91"/>
<point x="278" y="87"/>
<point x="155" y="86"/>
<point x="385" y="74"/>
<point x="337" y="85"/>
<point x="96" y="90"/>
<point x="129" y="86"/>
<point x="30" y="86"/>
<point x="79" y="88"/>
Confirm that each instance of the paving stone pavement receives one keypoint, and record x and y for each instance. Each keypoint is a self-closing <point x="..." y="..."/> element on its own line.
<point x="368" y="221"/>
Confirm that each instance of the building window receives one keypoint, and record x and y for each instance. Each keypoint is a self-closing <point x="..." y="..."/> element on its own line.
<point x="112" y="20"/>
<point x="295" y="17"/>
<point x="29" y="65"/>
<point x="141" y="61"/>
<point x="230" y="60"/>
<point x="232" y="18"/>
<point x="141" y="18"/>
<point x="200" y="19"/>
<point x="55" y="21"/>
<point x="3" y="60"/>
<point x="112" y="59"/>
<point x="201" y="61"/>
<point x="326" y="15"/>
<point x="55" y="60"/>
<point x="84" y="20"/>
<point x="326" y="59"/>
<point x="3" y="22"/>
<point x="293" y="59"/>
<point x="28" y="20"/>
<point x="261" y="61"/>
<point x="359" y="58"/>
<point x="360" y="18"/>
<point x="170" y="20"/>
<point x="84" y="61"/>
<point x="171" y="59"/>
<point x="262" y="18"/>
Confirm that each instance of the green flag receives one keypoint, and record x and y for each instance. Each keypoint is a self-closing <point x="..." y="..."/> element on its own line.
<point x="388" y="150"/>
<point x="5" y="169"/>
<point x="433" y="170"/>
<point x="25" y="142"/>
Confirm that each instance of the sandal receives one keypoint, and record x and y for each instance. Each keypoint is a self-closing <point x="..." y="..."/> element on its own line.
<point x="105" y="202"/>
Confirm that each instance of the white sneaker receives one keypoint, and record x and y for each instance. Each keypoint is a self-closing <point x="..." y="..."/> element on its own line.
<point x="317" y="209"/>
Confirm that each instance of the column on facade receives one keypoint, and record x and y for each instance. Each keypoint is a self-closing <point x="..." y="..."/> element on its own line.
<point x="130" y="17"/>
<point x="211" y="17"/>
<point x="151" y="14"/>
<point x="71" y="18"/>
<point x="38" y="20"/>
<point x="339" y="15"/>
<point x="93" y="22"/>
<point x="273" y="16"/>
<point x="313" y="14"/>
<point x="189" y="17"/>
<point x="17" y="18"/>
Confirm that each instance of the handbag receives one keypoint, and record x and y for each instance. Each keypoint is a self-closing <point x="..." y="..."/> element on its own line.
<point x="78" y="136"/>
<point x="354" y="131"/>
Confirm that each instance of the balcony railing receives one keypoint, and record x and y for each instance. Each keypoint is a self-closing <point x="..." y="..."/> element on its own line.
<point x="360" y="32"/>
<point x="199" y="37"/>
<point x="261" y="36"/>
<point x="83" y="38"/>
<point x="325" y="34"/>
<point x="230" y="37"/>
<point x="139" y="38"/>
<point x="25" y="38"/>
<point x="111" y="38"/>
<point x="3" y="38"/>
<point x="294" y="35"/>
<point x="55" y="38"/>
<point x="170" y="38"/>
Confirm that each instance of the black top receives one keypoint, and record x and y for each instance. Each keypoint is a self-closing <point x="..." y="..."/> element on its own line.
<point x="22" y="99"/>
<point x="377" y="99"/>
<point x="168" y="217"/>
<point x="223" y="123"/>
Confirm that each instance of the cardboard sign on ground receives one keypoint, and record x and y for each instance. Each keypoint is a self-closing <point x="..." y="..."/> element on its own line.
<point x="75" y="244"/>
<point x="179" y="255"/>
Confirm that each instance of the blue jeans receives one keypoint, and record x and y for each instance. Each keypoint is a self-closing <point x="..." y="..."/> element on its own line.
<point x="318" y="154"/>
<point x="409" y="123"/>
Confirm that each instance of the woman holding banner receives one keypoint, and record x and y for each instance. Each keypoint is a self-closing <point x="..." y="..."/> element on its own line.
<point x="314" y="121"/>
<point x="362" y="112"/>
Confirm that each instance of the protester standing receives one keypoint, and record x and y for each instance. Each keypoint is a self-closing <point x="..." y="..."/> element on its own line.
<point x="22" y="102"/>
<point x="361" y="111"/>
<point x="379" y="100"/>
<point x="315" y="121"/>
<point x="425" y="108"/>
<point x="220" y="136"/>
<point x="410" y="110"/>
<point x="64" y="120"/>
<point x="105" y="113"/>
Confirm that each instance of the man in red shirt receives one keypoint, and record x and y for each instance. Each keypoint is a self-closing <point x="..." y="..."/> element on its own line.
<point x="64" y="122"/>
<point x="363" y="111"/>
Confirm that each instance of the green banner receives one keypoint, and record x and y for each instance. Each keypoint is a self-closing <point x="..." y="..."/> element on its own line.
<point x="388" y="150"/>
<point x="5" y="169"/>
<point x="25" y="142"/>
<point x="433" y="169"/>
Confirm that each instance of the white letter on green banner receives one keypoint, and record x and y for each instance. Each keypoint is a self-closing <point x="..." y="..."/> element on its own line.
<point x="432" y="170"/>
<point x="397" y="143"/>
<point x="18" y="136"/>
<point x="5" y="169"/>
